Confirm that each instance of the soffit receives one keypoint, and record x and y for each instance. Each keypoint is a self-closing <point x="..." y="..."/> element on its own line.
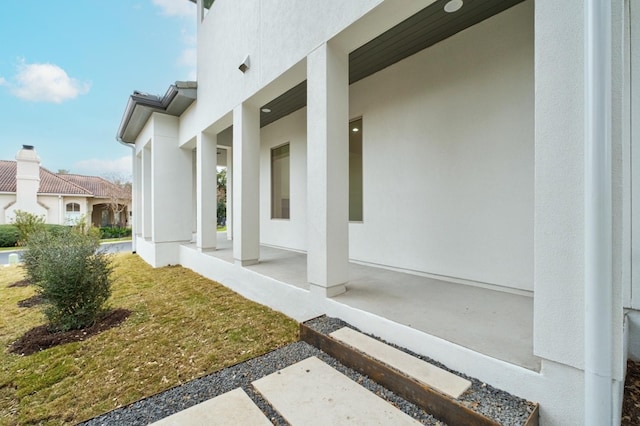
<point x="418" y="32"/>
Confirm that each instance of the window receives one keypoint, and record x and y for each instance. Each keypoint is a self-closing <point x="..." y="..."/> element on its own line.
<point x="355" y="170"/>
<point x="73" y="208"/>
<point x="280" y="182"/>
<point x="72" y="215"/>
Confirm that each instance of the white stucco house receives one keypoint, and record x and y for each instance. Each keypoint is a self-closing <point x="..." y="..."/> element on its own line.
<point x="59" y="198"/>
<point x="457" y="177"/>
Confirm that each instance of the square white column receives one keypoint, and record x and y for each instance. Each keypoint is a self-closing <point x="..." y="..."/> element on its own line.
<point x="327" y="171"/>
<point x="246" y="184"/>
<point x="172" y="177"/>
<point x="206" y="191"/>
<point x="136" y="195"/>
<point x="147" y="187"/>
<point x="229" y="193"/>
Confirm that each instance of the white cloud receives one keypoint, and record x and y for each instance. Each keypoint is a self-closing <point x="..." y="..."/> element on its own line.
<point x="188" y="38"/>
<point x="176" y="7"/>
<point x="188" y="57"/>
<point x="45" y="83"/>
<point x="183" y="8"/>
<point x="3" y="81"/>
<point x="101" y="167"/>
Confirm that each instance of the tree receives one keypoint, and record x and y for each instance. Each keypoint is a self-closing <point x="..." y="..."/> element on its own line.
<point x="71" y="273"/>
<point x="222" y="197"/>
<point x="27" y="224"/>
<point x="118" y="193"/>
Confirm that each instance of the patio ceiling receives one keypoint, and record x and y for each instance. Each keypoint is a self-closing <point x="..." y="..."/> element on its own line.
<point x="426" y="28"/>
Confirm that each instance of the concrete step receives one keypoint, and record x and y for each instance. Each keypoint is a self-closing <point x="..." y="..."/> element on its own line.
<point x="413" y="367"/>
<point x="433" y="389"/>
<point x="311" y="392"/>
<point x="308" y="392"/>
<point x="232" y="408"/>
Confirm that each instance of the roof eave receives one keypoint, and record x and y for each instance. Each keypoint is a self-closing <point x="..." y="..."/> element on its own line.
<point x="63" y="194"/>
<point x="140" y="106"/>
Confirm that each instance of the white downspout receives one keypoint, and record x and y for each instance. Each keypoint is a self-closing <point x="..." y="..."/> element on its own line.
<point x="134" y="225"/>
<point x="60" y="211"/>
<point x="598" y="217"/>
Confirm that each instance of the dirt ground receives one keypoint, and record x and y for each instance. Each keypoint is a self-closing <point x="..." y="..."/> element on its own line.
<point x="40" y="338"/>
<point x="631" y="403"/>
<point x="21" y="283"/>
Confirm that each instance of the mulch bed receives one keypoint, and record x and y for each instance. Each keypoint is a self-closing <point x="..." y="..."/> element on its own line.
<point x="631" y="403"/>
<point x="32" y="301"/>
<point x="39" y="338"/>
<point x="21" y="283"/>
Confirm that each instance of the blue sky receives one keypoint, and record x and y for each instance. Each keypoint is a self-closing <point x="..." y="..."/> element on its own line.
<point x="68" y="68"/>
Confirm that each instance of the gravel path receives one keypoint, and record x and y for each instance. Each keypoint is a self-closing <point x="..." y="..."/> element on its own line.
<point x="503" y="407"/>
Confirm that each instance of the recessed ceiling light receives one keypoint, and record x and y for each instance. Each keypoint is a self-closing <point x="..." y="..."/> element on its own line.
<point x="266" y="110"/>
<point x="453" y="6"/>
<point x="355" y="129"/>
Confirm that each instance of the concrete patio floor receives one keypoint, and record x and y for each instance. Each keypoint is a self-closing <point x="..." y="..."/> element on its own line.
<point x="494" y="323"/>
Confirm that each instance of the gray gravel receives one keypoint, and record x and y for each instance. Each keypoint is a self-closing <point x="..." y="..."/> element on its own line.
<point x="241" y="375"/>
<point x="503" y="407"/>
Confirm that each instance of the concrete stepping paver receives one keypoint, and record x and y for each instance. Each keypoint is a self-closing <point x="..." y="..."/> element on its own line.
<point x="311" y="392"/>
<point x="232" y="408"/>
<point x="424" y="372"/>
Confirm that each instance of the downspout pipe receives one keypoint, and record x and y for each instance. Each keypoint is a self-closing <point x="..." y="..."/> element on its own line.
<point x="134" y="225"/>
<point x="598" y="290"/>
<point x="60" y="211"/>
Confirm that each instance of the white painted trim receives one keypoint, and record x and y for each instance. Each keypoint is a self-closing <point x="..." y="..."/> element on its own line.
<point x="598" y="339"/>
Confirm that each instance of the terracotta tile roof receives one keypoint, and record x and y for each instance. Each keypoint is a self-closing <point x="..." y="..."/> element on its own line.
<point x="98" y="186"/>
<point x="52" y="183"/>
<point x="7" y="176"/>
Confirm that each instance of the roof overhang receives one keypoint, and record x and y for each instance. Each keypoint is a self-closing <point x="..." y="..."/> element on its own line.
<point x="140" y="106"/>
<point x="206" y="3"/>
<point x="425" y="28"/>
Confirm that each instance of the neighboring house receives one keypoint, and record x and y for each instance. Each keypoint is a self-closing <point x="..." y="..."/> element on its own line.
<point x="462" y="181"/>
<point x="60" y="198"/>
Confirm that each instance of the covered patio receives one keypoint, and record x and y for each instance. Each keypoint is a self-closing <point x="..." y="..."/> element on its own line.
<point x="494" y="323"/>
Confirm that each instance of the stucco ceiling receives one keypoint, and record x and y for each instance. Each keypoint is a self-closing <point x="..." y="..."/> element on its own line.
<point x="426" y="28"/>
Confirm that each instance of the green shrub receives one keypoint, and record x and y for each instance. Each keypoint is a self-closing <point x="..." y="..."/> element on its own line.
<point x="114" y="232"/>
<point x="71" y="273"/>
<point x="55" y="229"/>
<point x="9" y="236"/>
<point x="27" y="224"/>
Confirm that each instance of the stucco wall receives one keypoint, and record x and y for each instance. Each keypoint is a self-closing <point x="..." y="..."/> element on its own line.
<point x="559" y="189"/>
<point x="47" y="206"/>
<point x="275" y="35"/>
<point x="5" y="200"/>
<point x="448" y="156"/>
<point x="171" y="195"/>
<point x="290" y="233"/>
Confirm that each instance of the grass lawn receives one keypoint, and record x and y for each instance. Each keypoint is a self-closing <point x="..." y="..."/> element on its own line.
<point x="115" y="240"/>
<point x="107" y="240"/>
<point x="182" y="326"/>
<point x="10" y="248"/>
